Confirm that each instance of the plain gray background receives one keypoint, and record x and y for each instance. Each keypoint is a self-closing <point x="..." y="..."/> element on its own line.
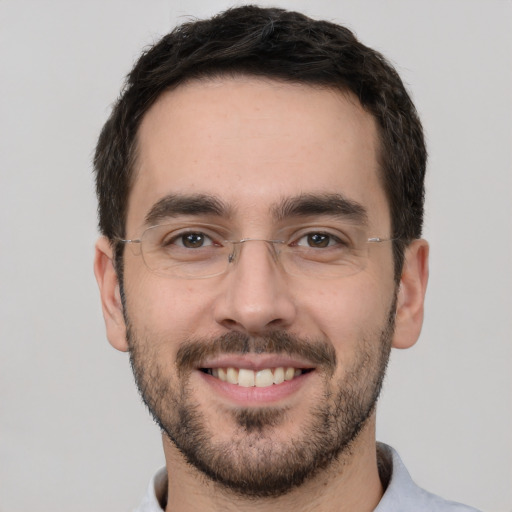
<point x="73" y="433"/>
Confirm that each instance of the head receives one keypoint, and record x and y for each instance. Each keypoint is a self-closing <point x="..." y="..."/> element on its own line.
<point x="266" y="133"/>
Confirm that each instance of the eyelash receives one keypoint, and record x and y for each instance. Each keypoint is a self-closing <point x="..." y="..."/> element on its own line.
<point x="333" y="239"/>
<point x="178" y="239"/>
<point x="170" y="240"/>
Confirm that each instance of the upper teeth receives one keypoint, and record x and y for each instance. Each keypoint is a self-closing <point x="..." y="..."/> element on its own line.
<point x="260" y="378"/>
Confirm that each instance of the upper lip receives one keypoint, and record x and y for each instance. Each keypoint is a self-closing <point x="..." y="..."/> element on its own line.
<point x="255" y="362"/>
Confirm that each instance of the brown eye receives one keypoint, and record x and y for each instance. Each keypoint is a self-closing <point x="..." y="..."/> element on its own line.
<point x="318" y="240"/>
<point x="193" y="240"/>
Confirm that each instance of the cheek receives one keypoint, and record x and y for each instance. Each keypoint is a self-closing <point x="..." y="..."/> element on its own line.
<point x="160" y="306"/>
<point x="348" y="310"/>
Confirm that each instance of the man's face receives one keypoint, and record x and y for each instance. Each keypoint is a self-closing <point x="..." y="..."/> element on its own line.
<point x="253" y="147"/>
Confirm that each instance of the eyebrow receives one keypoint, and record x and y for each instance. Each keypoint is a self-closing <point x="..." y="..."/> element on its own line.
<point x="304" y="205"/>
<point x="194" y="204"/>
<point x="335" y="205"/>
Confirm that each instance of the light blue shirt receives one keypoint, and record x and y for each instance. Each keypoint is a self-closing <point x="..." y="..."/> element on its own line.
<point x="401" y="495"/>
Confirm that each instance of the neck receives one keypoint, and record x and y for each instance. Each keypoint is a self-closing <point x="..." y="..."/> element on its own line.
<point x="350" y="483"/>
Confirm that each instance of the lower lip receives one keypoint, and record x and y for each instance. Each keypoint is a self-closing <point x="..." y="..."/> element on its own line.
<point x="254" y="395"/>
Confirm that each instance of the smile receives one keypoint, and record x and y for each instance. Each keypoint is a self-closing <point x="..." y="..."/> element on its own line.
<point x="247" y="378"/>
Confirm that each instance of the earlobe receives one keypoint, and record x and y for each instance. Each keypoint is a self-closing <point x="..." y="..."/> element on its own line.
<point x="111" y="304"/>
<point x="411" y="295"/>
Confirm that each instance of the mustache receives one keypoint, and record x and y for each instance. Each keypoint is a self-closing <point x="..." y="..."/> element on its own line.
<point x="319" y="352"/>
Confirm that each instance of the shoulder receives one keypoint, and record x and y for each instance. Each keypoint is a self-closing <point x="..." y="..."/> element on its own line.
<point x="402" y="494"/>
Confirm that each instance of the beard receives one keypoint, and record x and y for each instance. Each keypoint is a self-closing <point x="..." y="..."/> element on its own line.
<point x="253" y="463"/>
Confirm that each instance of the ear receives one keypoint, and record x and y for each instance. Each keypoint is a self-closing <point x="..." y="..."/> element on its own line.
<point x="111" y="304"/>
<point x="411" y="295"/>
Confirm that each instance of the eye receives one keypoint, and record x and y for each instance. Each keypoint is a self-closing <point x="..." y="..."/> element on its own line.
<point x="318" y="240"/>
<point x="190" y="240"/>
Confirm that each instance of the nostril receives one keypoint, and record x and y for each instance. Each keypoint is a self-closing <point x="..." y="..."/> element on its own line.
<point x="228" y="322"/>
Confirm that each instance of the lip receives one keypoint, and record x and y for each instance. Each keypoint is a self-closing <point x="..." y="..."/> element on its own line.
<point x="256" y="362"/>
<point x="254" y="396"/>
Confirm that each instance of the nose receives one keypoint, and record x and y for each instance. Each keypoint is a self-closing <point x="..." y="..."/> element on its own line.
<point x="254" y="296"/>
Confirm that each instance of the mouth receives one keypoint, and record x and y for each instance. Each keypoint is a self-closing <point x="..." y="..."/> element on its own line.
<point x="263" y="378"/>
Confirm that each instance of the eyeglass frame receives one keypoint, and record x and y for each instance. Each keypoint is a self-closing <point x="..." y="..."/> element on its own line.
<point x="231" y="256"/>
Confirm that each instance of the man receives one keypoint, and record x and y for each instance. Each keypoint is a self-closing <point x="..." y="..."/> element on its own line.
<point x="260" y="185"/>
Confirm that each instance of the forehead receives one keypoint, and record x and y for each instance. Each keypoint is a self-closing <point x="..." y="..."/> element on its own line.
<point x="252" y="143"/>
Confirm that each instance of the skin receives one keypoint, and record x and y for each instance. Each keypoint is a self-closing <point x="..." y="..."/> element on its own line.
<point x="251" y="143"/>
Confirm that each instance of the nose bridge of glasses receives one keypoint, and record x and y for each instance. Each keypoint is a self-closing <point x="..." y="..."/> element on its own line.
<point x="237" y="245"/>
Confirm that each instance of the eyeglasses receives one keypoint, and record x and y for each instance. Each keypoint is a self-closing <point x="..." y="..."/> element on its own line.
<point x="200" y="251"/>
